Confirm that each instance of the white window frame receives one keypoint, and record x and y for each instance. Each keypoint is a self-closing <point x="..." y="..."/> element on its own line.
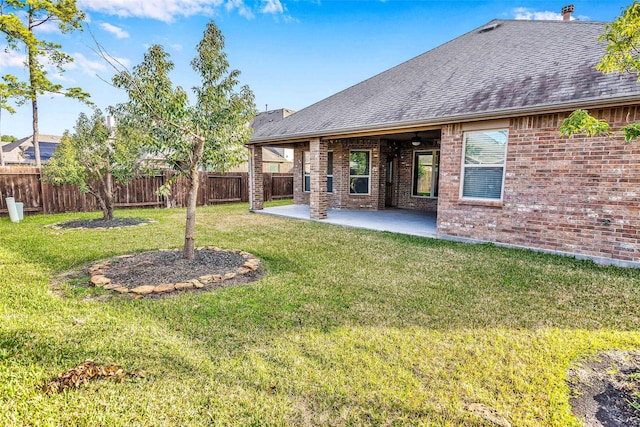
<point x="330" y="174"/>
<point x="368" y="193"/>
<point x="493" y="165"/>
<point x="304" y="174"/>
<point x="433" y="173"/>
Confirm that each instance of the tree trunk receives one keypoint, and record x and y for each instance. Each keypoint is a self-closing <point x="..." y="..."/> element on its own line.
<point x="192" y="198"/>
<point x="33" y="94"/>
<point x="36" y="136"/>
<point x="107" y="211"/>
<point x="101" y="202"/>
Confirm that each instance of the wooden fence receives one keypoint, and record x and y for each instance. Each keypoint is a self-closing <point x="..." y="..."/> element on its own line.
<point x="25" y="185"/>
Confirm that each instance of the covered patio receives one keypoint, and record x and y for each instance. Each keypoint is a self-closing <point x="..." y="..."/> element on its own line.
<point x="403" y="221"/>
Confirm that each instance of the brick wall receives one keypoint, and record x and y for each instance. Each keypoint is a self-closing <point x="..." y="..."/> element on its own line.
<point x="578" y="195"/>
<point x="340" y="198"/>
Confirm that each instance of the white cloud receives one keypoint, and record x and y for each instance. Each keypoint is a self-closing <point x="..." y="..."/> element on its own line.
<point x="243" y="10"/>
<point x="116" y="31"/>
<point x="530" y="14"/>
<point x="272" y="6"/>
<point x="10" y="58"/>
<point x="86" y="65"/>
<point x="162" y="10"/>
<point x="169" y="10"/>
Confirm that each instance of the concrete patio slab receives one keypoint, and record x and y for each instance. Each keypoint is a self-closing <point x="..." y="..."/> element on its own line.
<point x="403" y="221"/>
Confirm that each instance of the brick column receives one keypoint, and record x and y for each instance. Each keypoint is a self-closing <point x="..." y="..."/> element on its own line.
<point x="256" y="182"/>
<point x="318" y="197"/>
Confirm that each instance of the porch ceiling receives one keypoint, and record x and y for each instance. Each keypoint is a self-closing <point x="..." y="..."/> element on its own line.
<point x="425" y="135"/>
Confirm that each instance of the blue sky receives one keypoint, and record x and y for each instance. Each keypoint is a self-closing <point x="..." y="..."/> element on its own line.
<point x="292" y="53"/>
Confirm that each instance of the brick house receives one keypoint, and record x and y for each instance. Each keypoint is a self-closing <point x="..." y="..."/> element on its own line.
<point x="470" y="130"/>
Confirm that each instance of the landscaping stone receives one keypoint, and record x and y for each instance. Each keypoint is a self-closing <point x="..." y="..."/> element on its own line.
<point x="250" y="265"/>
<point x="122" y="289"/>
<point x="167" y="287"/>
<point x="243" y="270"/>
<point x="229" y="276"/>
<point x="100" y="280"/>
<point x="184" y="285"/>
<point x="197" y="284"/>
<point x="143" y="290"/>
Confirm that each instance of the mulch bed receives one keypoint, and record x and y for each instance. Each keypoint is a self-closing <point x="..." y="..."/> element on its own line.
<point x="163" y="273"/>
<point x="100" y="223"/>
<point x="606" y="390"/>
<point x="156" y="268"/>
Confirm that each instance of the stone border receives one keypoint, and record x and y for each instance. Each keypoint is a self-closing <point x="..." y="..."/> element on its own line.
<point x="98" y="278"/>
<point x="56" y="226"/>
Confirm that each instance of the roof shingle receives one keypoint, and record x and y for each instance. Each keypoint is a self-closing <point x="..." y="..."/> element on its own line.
<point x="504" y="66"/>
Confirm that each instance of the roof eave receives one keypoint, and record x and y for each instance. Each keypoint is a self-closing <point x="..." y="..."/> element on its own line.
<point x="399" y="127"/>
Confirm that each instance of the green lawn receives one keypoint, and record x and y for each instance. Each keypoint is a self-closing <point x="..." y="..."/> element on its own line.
<point x="348" y="327"/>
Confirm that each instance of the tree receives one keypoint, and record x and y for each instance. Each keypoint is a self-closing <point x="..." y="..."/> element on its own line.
<point x="8" y="89"/>
<point x="18" y="23"/>
<point x="208" y="134"/>
<point x="623" y="56"/>
<point x="92" y="159"/>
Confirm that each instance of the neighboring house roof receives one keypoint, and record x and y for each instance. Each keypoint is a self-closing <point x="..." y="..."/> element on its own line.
<point x="270" y="116"/>
<point x="273" y="155"/>
<point x="503" y="68"/>
<point x="22" y="150"/>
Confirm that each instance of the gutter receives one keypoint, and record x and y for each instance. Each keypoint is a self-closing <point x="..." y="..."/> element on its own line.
<point x="410" y="125"/>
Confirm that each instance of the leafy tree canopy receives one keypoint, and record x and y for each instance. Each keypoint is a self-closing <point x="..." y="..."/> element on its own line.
<point x="207" y="134"/>
<point x="93" y="160"/>
<point x="622" y="56"/>
<point x="19" y="19"/>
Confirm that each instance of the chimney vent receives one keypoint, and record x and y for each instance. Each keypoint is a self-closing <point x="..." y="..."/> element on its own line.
<point x="567" y="11"/>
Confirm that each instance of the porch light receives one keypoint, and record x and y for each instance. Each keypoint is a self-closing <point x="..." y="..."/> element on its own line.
<point x="416" y="140"/>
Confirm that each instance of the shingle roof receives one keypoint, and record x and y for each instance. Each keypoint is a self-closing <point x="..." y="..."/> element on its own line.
<point x="503" y="67"/>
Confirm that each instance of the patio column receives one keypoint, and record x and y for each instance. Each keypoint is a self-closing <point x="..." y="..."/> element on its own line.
<point x="318" y="197"/>
<point x="256" y="179"/>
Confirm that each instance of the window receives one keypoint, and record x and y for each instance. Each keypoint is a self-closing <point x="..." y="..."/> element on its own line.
<point x="306" y="171"/>
<point x="359" y="172"/>
<point x="483" y="164"/>
<point x="330" y="172"/>
<point x="425" y="173"/>
<point x="273" y="167"/>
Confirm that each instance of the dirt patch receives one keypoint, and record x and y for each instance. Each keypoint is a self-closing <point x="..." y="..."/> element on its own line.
<point x="606" y="390"/>
<point x="101" y="223"/>
<point x="162" y="273"/>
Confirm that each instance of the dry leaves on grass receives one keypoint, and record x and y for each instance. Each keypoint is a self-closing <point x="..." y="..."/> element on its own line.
<point x="81" y="374"/>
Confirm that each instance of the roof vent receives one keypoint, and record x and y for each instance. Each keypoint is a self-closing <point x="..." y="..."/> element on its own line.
<point x="489" y="27"/>
<point x="567" y="11"/>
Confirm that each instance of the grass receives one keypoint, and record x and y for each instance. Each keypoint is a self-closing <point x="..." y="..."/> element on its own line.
<point x="349" y="327"/>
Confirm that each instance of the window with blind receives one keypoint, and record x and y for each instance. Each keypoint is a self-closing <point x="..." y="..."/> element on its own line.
<point x="483" y="164"/>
